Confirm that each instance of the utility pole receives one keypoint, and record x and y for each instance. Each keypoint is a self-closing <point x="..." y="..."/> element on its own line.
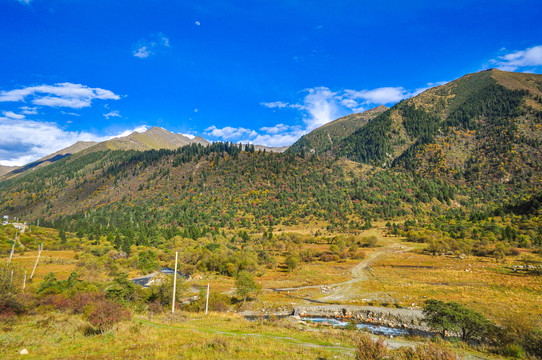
<point x="174" y="284"/>
<point x="40" y="249"/>
<point x="207" y="302"/>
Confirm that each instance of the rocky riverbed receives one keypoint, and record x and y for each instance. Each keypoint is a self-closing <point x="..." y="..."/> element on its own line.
<point x="390" y="317"/>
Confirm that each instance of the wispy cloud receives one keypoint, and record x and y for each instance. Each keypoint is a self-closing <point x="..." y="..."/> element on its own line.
<point x="70" y="113"/>
<point x="26" y="2"/>
<point x="27" y="110"/>
<point x="70" y="95"/>
<point x="12" y="115"/>
<point x="30" y="140"/>
<point x="142" y="52"/>
<point x="229" y="133"/>
<point x="529" y="59"/>
<point x="197" y="23"/>
<point x="151" y="45"/>
<point x="383" y="95"/>
<point x="112" y="114"/>
<point x="139" y="129"/>
<point x="190" y="136"/>
<point x="281" y="105"/>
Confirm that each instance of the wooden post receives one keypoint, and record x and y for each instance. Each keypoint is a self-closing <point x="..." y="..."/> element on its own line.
<point x="207" y="302"/>
<point x="24" y="281"/>
<point x="174" y="284"/>
<point x="40" y="248"/>
<point x="12" y="250"/>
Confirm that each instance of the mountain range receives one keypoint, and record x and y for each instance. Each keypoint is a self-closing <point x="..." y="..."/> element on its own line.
<point x="471" y="145"/>
<point x="155" y="138"/>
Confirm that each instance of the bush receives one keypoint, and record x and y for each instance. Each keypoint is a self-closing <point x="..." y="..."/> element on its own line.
<point x="367" y="349"/>
<point x="291" y="262"/>
<point x="428" y="352"/>
<point x="77" y="303"/>
<point x="10" y="305"/>
<point x="163" y="292"/>
<point x="81" y="301"/>
<point x="217" y="302"/>
<point x="155" y="307"/>
<point x="106" y="313"/>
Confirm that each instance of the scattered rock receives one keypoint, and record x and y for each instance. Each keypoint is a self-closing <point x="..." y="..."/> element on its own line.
<point x="23" y="352"/>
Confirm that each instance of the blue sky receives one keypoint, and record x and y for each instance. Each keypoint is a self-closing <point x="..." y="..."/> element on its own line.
<point x="252" y="71"/>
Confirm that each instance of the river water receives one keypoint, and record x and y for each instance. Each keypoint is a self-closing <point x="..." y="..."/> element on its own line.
<point x="374" y="329"/>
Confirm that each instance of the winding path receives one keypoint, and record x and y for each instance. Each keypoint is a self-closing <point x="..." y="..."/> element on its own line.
<point x="343" y="291"/>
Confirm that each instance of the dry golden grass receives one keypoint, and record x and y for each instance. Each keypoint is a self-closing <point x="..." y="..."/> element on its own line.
<point x="62" y="263"/>
<point x="478" y="283"/>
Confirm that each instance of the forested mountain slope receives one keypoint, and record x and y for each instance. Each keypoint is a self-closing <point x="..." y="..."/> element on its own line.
<point x="483" y="127"/>
<point x="322" y="139"/>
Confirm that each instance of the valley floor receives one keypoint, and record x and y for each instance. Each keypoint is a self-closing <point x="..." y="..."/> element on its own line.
<point x="393" y="275"/>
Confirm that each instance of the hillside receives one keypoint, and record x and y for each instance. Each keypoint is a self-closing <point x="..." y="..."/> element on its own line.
<point x="322" y="139"/>
<point x="49" y="159"/>
<point x="484" y="126"/>
<point x="153" y="139"/>
<point x="6" y="169"/>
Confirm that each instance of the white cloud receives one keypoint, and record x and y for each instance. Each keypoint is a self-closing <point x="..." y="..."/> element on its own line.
<point x="26" y="2"/>
<point x="142" y="52"/>
<point x="139" y="129"/>
<point x="30" y="140"/>
<point x="321" y="105"/>
<point x="28" y="110"/>
<point x="58" y="95"/>
<point x="281" y="105"/>
<point x="164" y="40"/>
<point x="197" y="23"/>
<point x="190" y="136"/>
<point x="383" y="95"/>
<point x="275" y="140"/>
<point x="279" y="128"/>
<point x="112" y="114"/>
<point x="12" y="115"/>
<point x="229" y="133"/>
<point x="151" y="45"/>
<point x="70" y="113"/>
<point x="526" y="60"/>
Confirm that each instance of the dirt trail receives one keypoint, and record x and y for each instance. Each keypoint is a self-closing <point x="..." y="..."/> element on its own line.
<point x="343" y="291"/>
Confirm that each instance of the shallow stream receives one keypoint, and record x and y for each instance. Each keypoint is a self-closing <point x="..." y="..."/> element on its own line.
<point x="374" y="329"/>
